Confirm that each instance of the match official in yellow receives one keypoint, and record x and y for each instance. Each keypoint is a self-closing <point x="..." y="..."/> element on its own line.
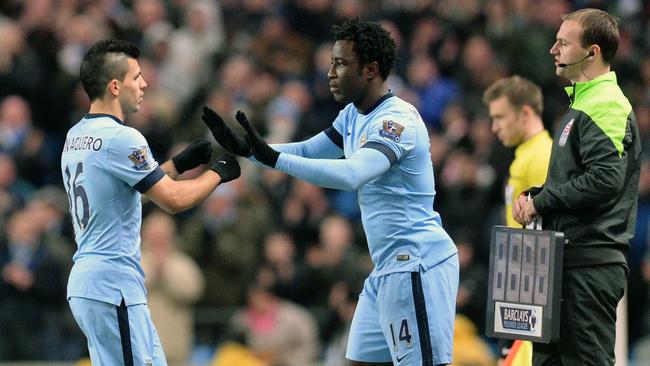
<point x="515" y="104"/>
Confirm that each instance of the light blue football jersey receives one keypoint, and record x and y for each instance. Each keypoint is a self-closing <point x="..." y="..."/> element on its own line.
<point x="106" y="166"/>
<point x="402" y="229"/>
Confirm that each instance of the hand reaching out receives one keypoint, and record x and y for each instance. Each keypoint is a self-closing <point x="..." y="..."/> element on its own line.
<point x="227" y="167"/>
<point x="261" y="150"/>
<point x="224" y="135"/>
<point x="196" y="153"/>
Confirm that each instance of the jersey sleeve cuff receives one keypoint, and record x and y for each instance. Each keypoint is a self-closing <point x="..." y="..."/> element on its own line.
<point x="147" y="182"/>
<point x="387" y="151"/>
<point x="335" y="136"/>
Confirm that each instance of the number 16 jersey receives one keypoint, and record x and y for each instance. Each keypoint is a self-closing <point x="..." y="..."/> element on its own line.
<point x="106" y="166"/>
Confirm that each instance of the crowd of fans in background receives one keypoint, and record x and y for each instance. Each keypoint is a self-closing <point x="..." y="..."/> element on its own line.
<point x="269" y="262"/>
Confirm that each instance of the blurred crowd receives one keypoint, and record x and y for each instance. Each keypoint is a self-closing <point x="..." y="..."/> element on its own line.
<point x="268" y="268"/>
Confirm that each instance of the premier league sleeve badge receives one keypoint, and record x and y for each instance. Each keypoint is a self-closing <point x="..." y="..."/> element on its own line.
<point x="140" y="159"/>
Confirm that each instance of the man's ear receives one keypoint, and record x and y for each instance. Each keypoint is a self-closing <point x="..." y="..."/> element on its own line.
<point x="526" y="111"/>
<point x="371" y="70"/>
<point x="114" y="87"/>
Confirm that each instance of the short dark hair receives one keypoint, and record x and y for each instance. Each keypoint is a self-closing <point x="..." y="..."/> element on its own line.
<point x="371" y="43"/>
<point x="105" y="61"/>
<point x="598" y="27"/>
<point x="518" y="90"/>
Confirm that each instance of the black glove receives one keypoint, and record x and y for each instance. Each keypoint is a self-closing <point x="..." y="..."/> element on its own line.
<point x="224" y="135"/>
<point x="196" y="153"/>
<point x="227" y="167"/>
<point x="261" y="150"/>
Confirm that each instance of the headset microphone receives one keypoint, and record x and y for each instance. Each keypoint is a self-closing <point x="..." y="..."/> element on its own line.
<point x="591" y="53"/>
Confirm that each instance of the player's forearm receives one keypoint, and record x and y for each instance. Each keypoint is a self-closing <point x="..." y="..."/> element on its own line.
<point x="319" y="146"/>
<point x="191" y="192"/>
<point x="344" y="174"/>
<point x="177" y="196"/>
<point x="170" y="169"/>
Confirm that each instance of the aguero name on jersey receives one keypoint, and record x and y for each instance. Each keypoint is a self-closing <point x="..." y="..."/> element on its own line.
<point x="105" y="167"/>
<point x="402" y="229"/>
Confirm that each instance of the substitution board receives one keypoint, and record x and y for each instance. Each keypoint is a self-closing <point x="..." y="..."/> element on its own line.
<point x="524" y="287"/>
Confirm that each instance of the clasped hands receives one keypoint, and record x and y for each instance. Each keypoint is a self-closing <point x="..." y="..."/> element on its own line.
<point x="523" y="210"/>
<point x="252" y="144"/>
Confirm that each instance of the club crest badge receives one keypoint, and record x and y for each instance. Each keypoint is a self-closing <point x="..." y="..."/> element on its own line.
<point x="391" y="130"/>
<point x="565" y="133"/>
<point x="140" y="159"/>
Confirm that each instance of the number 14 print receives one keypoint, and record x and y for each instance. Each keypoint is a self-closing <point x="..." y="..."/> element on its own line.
<point x="404" y="334"/>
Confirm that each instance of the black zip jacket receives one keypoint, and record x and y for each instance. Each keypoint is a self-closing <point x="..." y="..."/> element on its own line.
<point x="592" y="184"/>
